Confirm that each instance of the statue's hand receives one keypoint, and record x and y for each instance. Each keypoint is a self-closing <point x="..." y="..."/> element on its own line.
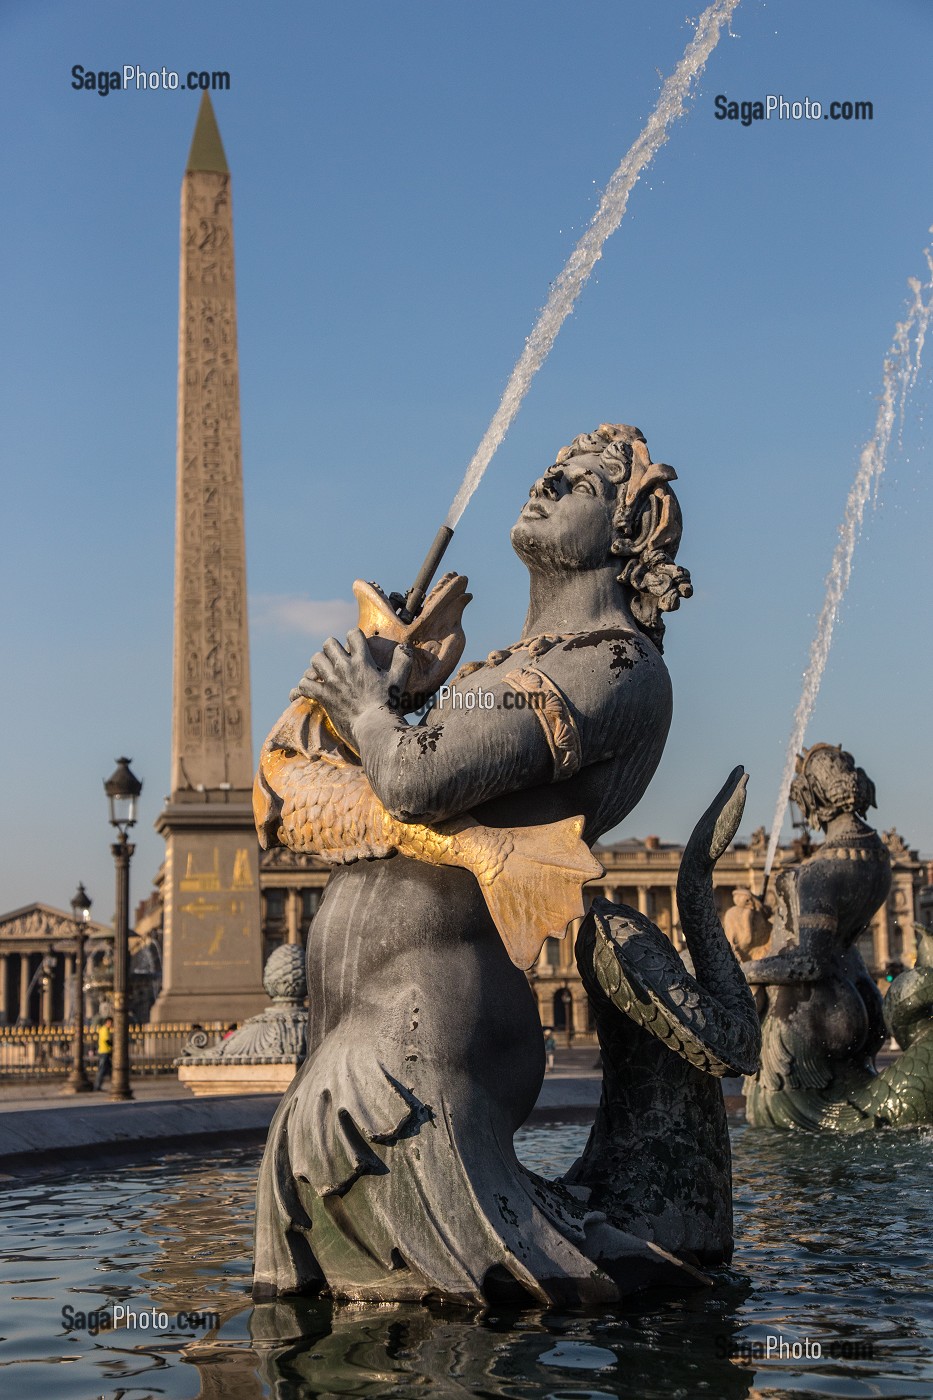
<point x="348" y="683"/>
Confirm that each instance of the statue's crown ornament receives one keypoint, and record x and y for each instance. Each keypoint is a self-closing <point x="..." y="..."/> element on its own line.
<point x="828" y="783"/>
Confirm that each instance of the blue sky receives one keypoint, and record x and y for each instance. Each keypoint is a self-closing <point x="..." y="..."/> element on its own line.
<point x="409" y="177"/>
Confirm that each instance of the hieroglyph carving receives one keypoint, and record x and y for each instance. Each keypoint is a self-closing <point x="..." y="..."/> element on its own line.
<point x="211" y="673"/>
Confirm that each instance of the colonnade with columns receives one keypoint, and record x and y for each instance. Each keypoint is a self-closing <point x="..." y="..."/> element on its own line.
<point x="29" y="996"/>
<point x="38" y="965"/>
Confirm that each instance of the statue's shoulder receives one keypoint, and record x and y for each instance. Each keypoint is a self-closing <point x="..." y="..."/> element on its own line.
<point x="620" y="648"/>
<point x="614" y="681"/>
<point x="607" y="662"/>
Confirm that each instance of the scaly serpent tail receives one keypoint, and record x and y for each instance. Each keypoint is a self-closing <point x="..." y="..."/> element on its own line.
<point x="717" y="969"/>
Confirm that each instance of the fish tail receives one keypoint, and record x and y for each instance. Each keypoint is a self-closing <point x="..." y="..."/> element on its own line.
<point x="532" y="880"/>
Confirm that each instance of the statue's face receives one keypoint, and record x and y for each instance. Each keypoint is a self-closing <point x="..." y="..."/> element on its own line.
<point x="568" y="519"/>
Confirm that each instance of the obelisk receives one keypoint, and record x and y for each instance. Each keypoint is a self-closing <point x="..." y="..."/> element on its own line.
<point x="212" y="952"/>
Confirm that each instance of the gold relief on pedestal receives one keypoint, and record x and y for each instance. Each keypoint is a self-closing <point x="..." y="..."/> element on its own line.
<point x="205" y="881"/>
<point x="200" y="908"/>
<point x="242" y="875"/>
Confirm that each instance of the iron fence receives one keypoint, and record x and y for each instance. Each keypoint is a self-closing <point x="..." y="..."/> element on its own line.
<point x="44" y="1052"/>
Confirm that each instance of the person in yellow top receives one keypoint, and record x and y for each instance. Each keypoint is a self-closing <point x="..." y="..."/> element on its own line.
<point x="104" y="1052"/>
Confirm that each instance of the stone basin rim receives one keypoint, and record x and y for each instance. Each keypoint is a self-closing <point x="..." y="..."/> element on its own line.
<point x="43" y="1142"/>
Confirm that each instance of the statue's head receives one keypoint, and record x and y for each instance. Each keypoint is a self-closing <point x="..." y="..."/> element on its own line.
<point x="828" y="783"/>
<point x="604" y="497"/>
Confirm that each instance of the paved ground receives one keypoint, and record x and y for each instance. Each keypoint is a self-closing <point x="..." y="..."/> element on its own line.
<point x="576" y="1064"/>
<point x="14" y="1097"/>
<point x="569" y="1064"/>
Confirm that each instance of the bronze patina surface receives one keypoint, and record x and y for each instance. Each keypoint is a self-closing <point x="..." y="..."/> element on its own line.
<point x="823" y="1018"/>
<point x="389" y="1173"/>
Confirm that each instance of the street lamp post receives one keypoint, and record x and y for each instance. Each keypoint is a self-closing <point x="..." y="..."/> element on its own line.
<point x="78" y="1082"/>
<point x="122" y="789"/>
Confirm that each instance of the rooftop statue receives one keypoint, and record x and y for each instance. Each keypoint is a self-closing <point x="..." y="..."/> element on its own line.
<point x="746" y="923"/>
<point x="823" y="1018"/>
<point x="459" y="844"/>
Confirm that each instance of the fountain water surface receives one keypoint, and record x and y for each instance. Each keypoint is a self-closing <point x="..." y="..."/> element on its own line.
<point x="171" y="1236"/>
<point x="901" y="367"/>
<point x="566" y="289"/>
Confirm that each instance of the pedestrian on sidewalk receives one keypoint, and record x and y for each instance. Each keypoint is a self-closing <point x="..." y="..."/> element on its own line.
<point x="550" y="1048"/>
<point x="104" y="1052"/>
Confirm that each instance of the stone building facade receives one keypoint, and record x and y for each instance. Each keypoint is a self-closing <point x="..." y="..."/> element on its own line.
<point x="643" y="875"/>
<point x="926" y="897"/>
<point x="640" y="873"/>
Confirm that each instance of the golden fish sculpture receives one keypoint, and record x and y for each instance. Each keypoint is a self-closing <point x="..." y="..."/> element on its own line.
<point x="312" y="795"/>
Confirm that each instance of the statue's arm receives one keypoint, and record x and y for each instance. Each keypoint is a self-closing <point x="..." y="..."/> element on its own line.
<point x="537" y="724"/>
<point x="441" y="768"/>
<point x="455" y="759"/>
<point x="783" y="969"/>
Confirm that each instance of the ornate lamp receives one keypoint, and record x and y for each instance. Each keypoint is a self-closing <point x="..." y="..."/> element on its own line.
<point x="123" y="789"/>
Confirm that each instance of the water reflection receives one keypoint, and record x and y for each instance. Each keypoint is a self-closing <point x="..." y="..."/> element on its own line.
<point x="402" y="1350"/>
<point x="833" y="1253"/>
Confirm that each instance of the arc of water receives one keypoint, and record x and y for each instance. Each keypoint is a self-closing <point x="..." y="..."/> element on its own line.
<point x="901" y="368"/>
<point x="566" y="289"/>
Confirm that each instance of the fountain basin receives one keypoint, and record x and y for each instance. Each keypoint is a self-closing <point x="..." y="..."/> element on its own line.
<point x="832" y="1252"/>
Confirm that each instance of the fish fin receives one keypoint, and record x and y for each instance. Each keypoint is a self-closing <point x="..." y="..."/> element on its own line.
<point x="292" y="729"/>
<point x="539" y="889"/>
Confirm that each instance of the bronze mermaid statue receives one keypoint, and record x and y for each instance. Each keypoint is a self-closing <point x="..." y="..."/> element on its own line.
<point x="458" y="844"/>
<point x="823" y="1018"/>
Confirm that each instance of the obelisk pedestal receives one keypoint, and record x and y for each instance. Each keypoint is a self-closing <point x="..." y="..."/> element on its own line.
<point x="212" y="938"/>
